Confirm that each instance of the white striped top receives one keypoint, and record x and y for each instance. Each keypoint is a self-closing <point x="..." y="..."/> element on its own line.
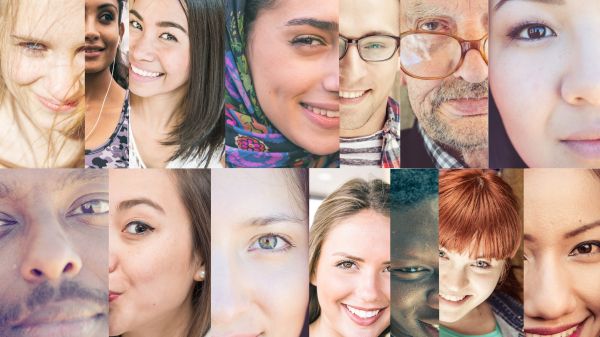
<point x="361" y="151"/>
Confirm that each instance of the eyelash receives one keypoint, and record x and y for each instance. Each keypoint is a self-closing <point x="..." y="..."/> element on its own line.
<point x="146" y="227"/>
<point x="169" y="37"/>
<point x="33" y="48"/>
<point x="307" y="40"/>
<point x="257" y="245"/>
<point x="412" y="270"/>
<point x="102" y="18"/>
<point x="133" y="24"/>
<point x="520" y="29"/>
<point x="484" y="264"/>
<point x="595" y="245"/>
<point x="84" y="211"/>
<point x="6" y="220"/>
<point x="444" y="26"/>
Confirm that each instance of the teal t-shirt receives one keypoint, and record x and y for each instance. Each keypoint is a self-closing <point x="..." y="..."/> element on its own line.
<point x="444" y="332"/>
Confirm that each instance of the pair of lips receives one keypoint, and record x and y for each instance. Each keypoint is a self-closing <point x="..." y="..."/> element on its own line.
<point x="571" y="330"/>
<point x="57" y="106"/>
<point x="321" y="111"/>
<point x="145" y="73"/>
<point x="91" y="49"/>
<point x="363" y="316"/>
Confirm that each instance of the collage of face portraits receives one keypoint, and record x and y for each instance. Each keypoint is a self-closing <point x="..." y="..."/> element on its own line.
<point x="218" y="168"/>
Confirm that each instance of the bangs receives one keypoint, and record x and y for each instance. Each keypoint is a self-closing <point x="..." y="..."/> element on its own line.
<point x="478" y="212"/>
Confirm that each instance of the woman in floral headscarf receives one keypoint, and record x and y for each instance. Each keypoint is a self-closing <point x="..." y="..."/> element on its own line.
<point x="281" y="79"/>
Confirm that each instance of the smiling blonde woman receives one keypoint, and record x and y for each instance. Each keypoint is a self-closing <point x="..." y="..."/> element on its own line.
<point x="41" y="83"/>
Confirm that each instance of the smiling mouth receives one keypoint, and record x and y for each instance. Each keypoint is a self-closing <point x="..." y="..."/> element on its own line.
<point x="567" y="333"/>
<point x="58" y="106"/>
<point x="352" y="94"/>
<point x="454" y="299"/>
<point x="322" y="112"/>
<point x="145" y="73"/>
<point x="91" y="49"/>
<point x="363" y="313"/>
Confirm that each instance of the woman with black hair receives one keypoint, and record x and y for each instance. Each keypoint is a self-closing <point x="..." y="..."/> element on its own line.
<point x="176" y="82"/>
<point x="107" y="102"/>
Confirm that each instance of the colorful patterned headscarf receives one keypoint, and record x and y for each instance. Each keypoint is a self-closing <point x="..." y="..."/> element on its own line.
<point x="251" y="140"/>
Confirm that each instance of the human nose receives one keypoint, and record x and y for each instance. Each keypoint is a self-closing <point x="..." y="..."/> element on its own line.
<point x="64" y="79"/>
<point x="474" y="68"/>
<point x="370" y="286"/>
<point x="453" y="277"/>
<point x="229" y="300"/>
<point x="581" y="83"/>
<point x="142" y="48"/>
<point x="331" y="80"/>
<point x="91" y="33"/>
<point x="352" y="67"/>
<point x="547" y="292"/>
<point x="50" y="254"/>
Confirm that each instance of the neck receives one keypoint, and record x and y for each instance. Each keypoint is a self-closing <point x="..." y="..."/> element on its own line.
<point x="476" y="157"/>
<point x="157" y="111"/>
<point x="96" y="85"/>
<point x="173" y="323"/>
<point x="373" y="124"/>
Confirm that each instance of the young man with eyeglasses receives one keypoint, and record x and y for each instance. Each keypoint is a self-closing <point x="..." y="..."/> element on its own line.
<point x="369" y="118"/>
<point x="443" y="57"/>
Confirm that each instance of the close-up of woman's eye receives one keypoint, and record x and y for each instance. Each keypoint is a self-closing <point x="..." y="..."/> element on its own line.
<point x="346" y="264"/>
<point x="168" y="37"/>
<point x="106" y="18"/>
<point x="482" y="264"/>
<point x="531" y="32"/>
<point x="308" y="40"/>
<point x="586" y="249"/>
<point x="442" y="254"/>
<point x="270" y="243"/>
<point x="138" y="228"/>
<point x="6" y="220"/>
<point x="412" y="269"/>
<point x="136" y="25"/>
<point x="33" y="48"/>
<point x="92" y="207"/>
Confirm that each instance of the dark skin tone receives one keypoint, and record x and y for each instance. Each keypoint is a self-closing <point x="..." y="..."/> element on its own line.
<point x="415" y="272"/>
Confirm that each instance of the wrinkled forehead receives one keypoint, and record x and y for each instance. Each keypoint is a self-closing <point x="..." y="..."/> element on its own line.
<point x="48" y="20"/>
<point x="462" y="13"/>
<point x="20" y="183"/>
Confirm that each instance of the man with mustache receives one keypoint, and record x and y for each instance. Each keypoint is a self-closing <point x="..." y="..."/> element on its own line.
<point x="53" y="253"/>
<point x="414" y="253"/>
<point x="443" y="56"/>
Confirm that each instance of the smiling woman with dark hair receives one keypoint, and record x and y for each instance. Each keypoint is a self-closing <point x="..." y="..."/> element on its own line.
<point x="175" y="78"/>
<point x="281" y="100"/>
<point x="562" y="252"/>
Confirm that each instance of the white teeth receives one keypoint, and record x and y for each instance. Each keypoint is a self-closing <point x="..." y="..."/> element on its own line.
<point x="144" y="73"/>
<point x="323" y="112"/>
<point x="351" y="94"/>
<point x="437" y="326"/>
<point x="565" y="333"/>
<point x="362" y="313"/>
<point x="452" y="298"/>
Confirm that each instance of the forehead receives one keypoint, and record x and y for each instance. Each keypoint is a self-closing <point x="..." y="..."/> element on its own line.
<point x="457" y="10"/>
<point x="102" y="3"/>
<point x="161" y="10"/>
<point x="51" y="21"/>
<point x="361" y="17"/>
<point x="15" y="183"/>
<point x="557" y="201"/>
<point x="415" y="228"/>
<point x="255" y="193"/>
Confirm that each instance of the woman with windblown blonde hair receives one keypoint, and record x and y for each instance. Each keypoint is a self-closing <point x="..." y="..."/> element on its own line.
<point x="41" y="83"/>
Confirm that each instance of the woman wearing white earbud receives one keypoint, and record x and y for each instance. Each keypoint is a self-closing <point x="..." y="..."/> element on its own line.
<point x="107" y="103"/>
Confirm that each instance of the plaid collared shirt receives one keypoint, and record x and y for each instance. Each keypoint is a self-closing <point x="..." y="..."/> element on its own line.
<point x="390" y="156"/>
<point x="441" y="158"/>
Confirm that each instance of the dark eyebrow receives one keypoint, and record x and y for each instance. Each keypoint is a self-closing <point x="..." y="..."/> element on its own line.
<point x="128" y="204"/>
<point x="550" y="2"/>
<point x="134" y="12"/>
<point x="275" y="218"/>
<point x="106" y="5"/>
<point x="582" y="229"/>
<point x="167" y="24"/>
<point x="348" y="256"/>
<point x="323" y="25"/>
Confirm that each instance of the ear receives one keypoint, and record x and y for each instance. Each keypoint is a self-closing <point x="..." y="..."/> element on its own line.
<point x="121" y="31"/>
<point x="200" y="274"/>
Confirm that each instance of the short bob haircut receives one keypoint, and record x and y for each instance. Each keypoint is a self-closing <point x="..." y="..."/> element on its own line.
<point x="200" y="124"/>
<point x="478" y="212"/>
<point x="354" y="196"/>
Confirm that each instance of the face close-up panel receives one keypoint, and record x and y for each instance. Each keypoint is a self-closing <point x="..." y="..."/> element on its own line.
<point x="53" y="248"/>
